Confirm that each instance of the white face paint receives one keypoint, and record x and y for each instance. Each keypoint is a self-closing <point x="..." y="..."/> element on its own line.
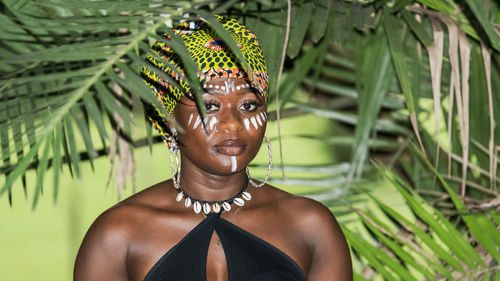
<point x="212" y="123"/>
<point x="233" y="164"/>
<point x="247" y="123"/>
<point x="254" y="123"/>
<point x="229" y="86"/>
<point x="190" y="119"/>
<point x="258" y="120"/>
<point x="205" y="123"/>
<point x="209" y="122"/>
<point x="197" y="122"/>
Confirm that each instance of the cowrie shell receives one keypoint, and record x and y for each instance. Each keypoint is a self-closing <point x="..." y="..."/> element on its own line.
<point x="239" y="201"/>
<point x="216" y="207"/>
<point x="179" y="197"/>
<point x="187" y="202"/>
<point x="246" y="196"/>
<point x="197" y="207"/>
<point x="206" y="208"/>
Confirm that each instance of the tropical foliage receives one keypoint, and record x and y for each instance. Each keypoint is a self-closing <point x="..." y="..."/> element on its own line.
<point x="389" y="73"/>
<point x="422" y="243"/>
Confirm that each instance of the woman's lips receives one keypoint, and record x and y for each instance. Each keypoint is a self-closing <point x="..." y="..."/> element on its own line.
<point x="231" y="147"/>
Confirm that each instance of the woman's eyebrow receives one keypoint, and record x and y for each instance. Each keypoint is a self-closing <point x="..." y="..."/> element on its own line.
<point x="245" y="91"/>
<point x="215" y="91"/>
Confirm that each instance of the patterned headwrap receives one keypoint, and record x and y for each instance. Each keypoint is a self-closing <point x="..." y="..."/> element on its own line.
<point x="213" y="58"/>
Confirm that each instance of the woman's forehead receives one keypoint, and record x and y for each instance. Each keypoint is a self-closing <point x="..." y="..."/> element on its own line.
<point x="227" y="86"/>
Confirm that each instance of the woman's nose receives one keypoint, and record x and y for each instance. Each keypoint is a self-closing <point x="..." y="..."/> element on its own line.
<point x="229" y="120"/>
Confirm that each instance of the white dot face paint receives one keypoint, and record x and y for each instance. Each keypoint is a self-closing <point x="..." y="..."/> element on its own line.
<point x="234" y="165"/>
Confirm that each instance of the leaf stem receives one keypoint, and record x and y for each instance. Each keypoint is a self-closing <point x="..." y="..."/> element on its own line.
<point x="283" y="55"/>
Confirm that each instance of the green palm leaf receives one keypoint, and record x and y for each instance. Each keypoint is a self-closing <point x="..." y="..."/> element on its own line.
<point x="441" y="250"/>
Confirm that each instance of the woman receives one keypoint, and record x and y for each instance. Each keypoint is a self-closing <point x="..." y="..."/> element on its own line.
<point x="211" y="221"/>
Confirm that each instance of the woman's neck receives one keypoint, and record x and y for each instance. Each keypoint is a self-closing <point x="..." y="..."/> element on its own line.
<point x="207" y="186"/>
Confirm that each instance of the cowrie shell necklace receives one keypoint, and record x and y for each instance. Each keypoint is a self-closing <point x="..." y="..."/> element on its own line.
<point x="213" y="206"/>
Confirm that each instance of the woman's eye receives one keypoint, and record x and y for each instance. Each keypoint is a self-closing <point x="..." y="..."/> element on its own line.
<point x="249" y="106"/>
<point x="210" y="106"/>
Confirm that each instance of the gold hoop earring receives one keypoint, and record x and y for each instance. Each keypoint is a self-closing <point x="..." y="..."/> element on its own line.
<point x="269" y="167"/>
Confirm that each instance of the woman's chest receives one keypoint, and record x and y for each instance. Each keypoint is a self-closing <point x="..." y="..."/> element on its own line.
<point x="213" y="255"/>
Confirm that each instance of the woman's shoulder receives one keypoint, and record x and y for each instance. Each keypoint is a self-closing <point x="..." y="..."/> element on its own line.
<point x="300" y="206"/>
<point x="307" y="216"/>
<point x="316" y="226"/>
<point x="126" y="216"/>
<point x="104" y="249"/>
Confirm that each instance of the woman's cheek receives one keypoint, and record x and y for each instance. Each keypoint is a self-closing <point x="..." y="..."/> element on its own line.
<point x="254" y="122"/>
<point x="195" y="123"/>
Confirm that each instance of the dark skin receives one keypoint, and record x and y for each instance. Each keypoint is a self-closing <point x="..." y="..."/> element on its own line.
<point x="129" y="238"/>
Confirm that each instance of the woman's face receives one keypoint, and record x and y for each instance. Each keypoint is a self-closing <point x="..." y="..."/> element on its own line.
<point x="231" y="134"/>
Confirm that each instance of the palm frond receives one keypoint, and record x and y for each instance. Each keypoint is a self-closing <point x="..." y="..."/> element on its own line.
<point x="424" y="243"/>
<point x="64" y="75"/>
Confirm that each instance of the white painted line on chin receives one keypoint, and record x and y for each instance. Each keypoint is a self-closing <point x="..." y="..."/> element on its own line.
<point x="233" y="164"/>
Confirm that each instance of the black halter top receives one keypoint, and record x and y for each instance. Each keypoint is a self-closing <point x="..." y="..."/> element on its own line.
<point x="248" y="257"/>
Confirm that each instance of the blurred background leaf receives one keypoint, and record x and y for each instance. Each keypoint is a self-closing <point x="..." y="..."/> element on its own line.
<point x="382" y="75"/>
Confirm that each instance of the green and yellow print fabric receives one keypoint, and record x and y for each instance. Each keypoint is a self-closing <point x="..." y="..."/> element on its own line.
<point x="213" y="58"/>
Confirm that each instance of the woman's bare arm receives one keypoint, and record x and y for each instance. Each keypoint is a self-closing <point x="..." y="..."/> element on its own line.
<point x="102" y="255"/>
<point x="331" y="260"/>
